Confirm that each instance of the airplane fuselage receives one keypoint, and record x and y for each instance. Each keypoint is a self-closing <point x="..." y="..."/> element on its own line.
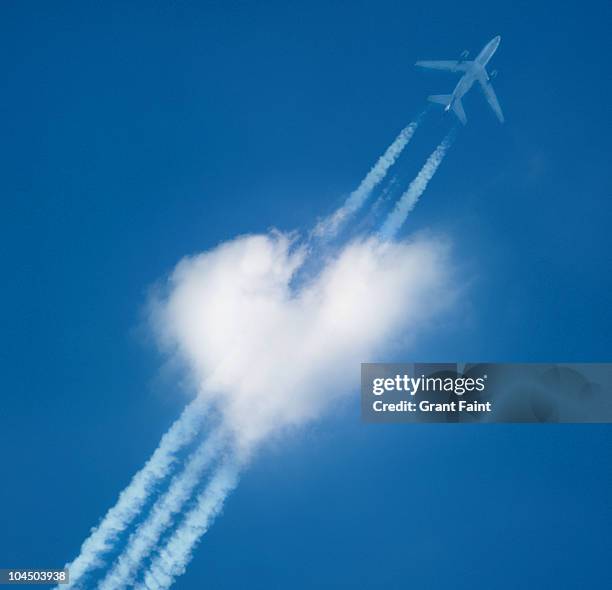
<point x="477" y="70"/>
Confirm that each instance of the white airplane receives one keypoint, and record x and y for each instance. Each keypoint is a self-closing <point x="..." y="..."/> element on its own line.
<point x="472" y="71"/>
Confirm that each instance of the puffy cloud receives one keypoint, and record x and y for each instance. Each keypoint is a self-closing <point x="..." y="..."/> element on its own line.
<point x="271" y="354"/>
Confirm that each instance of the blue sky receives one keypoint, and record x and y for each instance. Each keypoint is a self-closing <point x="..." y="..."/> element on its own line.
<point x="134" y="135"/>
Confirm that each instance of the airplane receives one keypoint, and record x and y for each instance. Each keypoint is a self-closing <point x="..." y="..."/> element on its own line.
<point x="472" y="71"/>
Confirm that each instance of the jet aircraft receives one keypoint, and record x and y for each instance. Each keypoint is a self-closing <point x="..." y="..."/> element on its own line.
<point x="472" y="71"/>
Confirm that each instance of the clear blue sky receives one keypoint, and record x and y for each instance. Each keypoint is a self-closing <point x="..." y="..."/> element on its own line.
<point x="134" y="135"/>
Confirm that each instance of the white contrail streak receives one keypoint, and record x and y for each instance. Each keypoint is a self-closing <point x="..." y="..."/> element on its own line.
<point x="147" y="534"/>
<point x="133" y="497"/>
<point x="417" y="187"/>
<point x="329" y="226"/>
<point x="172" y="560"/>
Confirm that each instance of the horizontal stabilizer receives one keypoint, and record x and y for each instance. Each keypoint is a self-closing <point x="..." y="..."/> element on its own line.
<point x="458" y="108"/>
<point x="443" y="99"/>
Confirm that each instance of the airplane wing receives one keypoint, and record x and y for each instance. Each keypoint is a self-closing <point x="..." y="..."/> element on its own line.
<point x="448" y="65"/>
<point x="489" y="93"/>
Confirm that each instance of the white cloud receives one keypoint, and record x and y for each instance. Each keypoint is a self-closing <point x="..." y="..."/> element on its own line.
<point x="269" y="355"/>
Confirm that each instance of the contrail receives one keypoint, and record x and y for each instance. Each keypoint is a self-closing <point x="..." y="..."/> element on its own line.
<point x="172" y="560"/>
<point x="417" y="187"/>
<point x="370" y="219"/>
<point x="329" y="226"/>
<point x="147" y="535"/>
<point x="133" y="497"/>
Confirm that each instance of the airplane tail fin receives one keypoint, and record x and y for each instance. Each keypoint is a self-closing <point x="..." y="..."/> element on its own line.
<point x="443" y="99"/>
